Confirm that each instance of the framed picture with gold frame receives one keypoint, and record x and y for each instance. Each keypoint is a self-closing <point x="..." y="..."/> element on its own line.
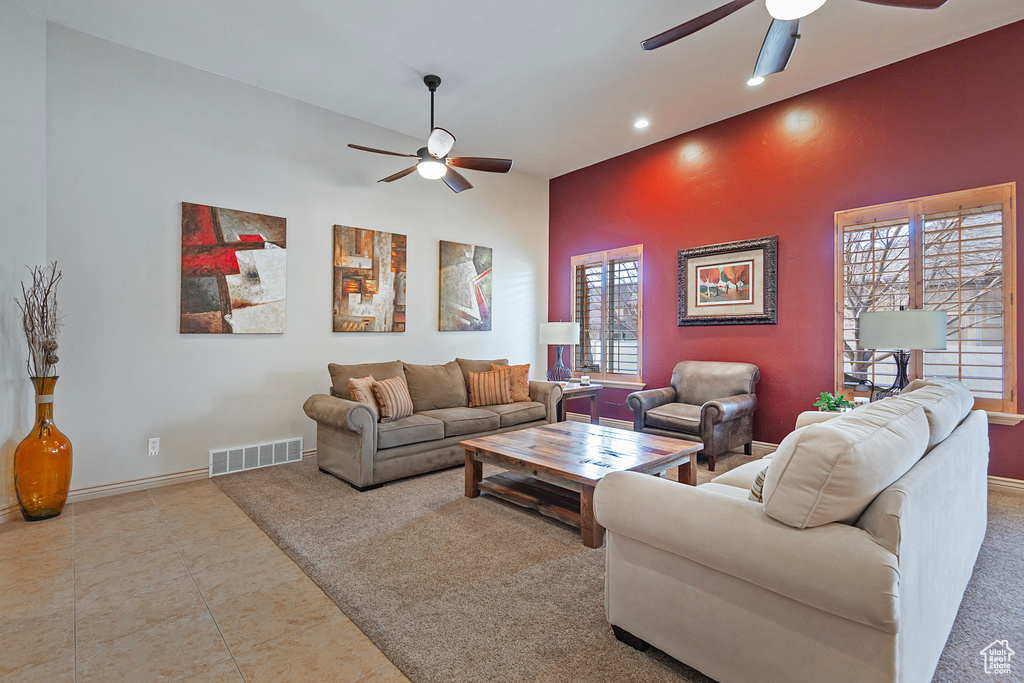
<point x="735" y="283"/>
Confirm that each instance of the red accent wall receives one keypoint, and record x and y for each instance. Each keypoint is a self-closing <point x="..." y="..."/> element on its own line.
<point x="947" y="120"/>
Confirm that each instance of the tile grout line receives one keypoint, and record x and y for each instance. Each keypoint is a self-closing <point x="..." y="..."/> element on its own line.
<point x="202" y="597"/>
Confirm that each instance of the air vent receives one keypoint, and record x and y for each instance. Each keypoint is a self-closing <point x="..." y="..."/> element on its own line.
<point x="238" y="459"/>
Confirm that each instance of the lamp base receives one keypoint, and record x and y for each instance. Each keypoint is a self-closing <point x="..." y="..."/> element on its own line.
<point x="902" y="379"/>
<point x="558" y="372"/>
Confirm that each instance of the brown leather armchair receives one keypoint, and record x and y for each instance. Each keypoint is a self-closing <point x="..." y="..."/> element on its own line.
<point x="708" y="401"/>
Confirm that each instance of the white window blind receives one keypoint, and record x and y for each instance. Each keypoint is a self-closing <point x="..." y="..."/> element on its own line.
<point x="951" y="252"/>
<point x="607" y="303"/>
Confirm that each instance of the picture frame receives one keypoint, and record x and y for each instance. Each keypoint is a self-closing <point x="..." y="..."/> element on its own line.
<point x="735" y="283"/>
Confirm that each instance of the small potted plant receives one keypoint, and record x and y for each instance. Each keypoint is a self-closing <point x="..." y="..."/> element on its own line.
<point x="833" y="403"/>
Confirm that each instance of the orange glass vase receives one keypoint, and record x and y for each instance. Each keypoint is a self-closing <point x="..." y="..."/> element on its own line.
<point x="42" y="461"/>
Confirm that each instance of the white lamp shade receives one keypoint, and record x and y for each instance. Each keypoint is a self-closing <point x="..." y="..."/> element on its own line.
<point x="559" y="334"/>
<point x="787" y="10"/>
<point x="894" y="330"/>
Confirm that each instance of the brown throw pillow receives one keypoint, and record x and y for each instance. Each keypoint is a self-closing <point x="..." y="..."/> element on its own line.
<point x="393" y="399"/>
<point x="519" y="380"/>
<point x="489" y="388"/>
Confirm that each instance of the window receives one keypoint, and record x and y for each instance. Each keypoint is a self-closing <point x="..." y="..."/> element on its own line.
<point x="953" y="253"/>
<point x="607" y="303"/>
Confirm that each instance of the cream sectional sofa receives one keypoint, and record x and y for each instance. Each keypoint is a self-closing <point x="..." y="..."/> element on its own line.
<point x="353" y="445"/>
<point x="852" y="569"/>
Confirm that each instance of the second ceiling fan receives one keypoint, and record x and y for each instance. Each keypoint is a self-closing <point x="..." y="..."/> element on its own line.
<point x="434" y="161"/>
<point x="783" y="32"/>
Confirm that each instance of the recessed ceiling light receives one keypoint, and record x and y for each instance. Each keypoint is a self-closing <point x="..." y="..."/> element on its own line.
<point x="756" y="80"/>
<point x="641" y="123"/>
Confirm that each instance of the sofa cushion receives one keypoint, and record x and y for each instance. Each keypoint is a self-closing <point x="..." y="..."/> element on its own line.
<point x="412" y="429"/>
<point x="340" y="374"/>
<point x="436" y="386"/>
<point x="519" y="412"/>
<point x="469" y="366"/>
<point x="958" y="388"/>
<point x="459" y="421"/>
<point x="942" y="407"/>
<point x="519" y="380"/>
<point x="724" y="490"/>
<point x="830" y="472"/>
<point x="679" y="417"/>
<point x="393" y="399"/>
<point x="489" y="388"/>
<point x="743" y="476"/>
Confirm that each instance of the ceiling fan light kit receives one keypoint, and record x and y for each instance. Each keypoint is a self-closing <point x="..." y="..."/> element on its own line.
<point x="783" y="33"/>
<point x="433" y="162"/>
<point x="787" y="10"/>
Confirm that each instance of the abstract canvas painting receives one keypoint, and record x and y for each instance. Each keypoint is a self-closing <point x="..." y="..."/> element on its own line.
<point x="465" y="287"/>
<point x="232" y="271"/>
<point x="369" y="280"/>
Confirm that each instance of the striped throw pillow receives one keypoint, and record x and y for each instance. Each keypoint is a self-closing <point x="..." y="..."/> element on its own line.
<point x="362" y="391"/>
<point x="758" y="485"/>
<point x="489" y="388"/>
<point x="519" y="380"/>
<point x="393" y="399"/>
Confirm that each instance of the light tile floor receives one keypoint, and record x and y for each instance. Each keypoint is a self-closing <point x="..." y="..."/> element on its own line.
<point x="168" y="584"/>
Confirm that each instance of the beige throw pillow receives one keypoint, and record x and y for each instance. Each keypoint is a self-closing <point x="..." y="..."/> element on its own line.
<point x="362" y="391"/>
<point x="830" y="472"/>
<point x="393" y="399"/>
<point x="489" y="388"/>
<point x="519" y="380"/>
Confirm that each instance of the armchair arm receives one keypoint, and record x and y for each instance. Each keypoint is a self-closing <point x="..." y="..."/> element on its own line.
<point x="548" y="393"/>
<point x="340" y="413"/>
<point x="729" y="408"/>
<point x="639" y="402"/>
<point x="837" y="568"/>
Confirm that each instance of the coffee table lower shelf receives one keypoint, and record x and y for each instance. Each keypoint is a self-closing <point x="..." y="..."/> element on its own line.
<point x="547" y="499"/>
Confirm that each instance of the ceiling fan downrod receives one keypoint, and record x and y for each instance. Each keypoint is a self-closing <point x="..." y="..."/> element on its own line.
<point x="432" y="82"/>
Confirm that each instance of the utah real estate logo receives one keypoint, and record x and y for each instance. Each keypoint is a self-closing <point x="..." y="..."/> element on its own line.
<point x="997" y="658"/>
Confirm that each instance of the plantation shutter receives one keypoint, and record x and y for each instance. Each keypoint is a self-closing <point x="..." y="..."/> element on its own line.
<point x="952" y="253"/>
<point x="607" y="303"/>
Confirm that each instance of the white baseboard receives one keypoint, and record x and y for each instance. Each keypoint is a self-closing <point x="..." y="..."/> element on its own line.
<point x="605" y="421"/>
<point x="1005" y="485"/>
<point x="78" y="495"/>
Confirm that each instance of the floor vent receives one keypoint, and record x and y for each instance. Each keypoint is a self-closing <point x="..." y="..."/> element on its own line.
<point x="227" y="460"/>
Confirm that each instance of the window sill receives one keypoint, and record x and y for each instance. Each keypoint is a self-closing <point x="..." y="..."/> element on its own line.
<point x="616" y="384"/>
<point x="995" y="418"/>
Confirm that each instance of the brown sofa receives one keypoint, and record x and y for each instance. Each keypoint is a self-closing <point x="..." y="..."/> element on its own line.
<point x="353" y="445"/>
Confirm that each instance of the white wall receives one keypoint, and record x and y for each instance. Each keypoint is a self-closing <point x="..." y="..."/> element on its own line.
<point x="22" y="213"/>
<point x="130" y="137"/>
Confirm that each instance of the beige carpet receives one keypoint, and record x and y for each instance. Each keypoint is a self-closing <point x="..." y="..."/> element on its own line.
<point x="453" y="589"/>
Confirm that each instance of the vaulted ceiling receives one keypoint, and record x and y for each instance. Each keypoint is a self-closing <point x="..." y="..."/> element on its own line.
<point x="556" y="85"/>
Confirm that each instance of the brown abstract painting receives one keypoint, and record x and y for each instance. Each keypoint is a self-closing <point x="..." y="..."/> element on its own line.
<point x="232" y="271"/>
<point x="465" y="287"/>
<point x="369" y="280"/>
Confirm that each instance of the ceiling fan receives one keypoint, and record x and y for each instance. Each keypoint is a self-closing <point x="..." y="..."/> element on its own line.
<point x="434" y="161"/>
<point x="783" y="32"/>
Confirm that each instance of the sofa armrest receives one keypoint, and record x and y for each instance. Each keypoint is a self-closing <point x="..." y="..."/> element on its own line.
<point x="340" y="413"/>
<point x="729" y="408"/>
<point x="810" y="417"/>
<point x="836" y="568"/>
<point x="639" y="402"/>
<point x="548" y="393"/>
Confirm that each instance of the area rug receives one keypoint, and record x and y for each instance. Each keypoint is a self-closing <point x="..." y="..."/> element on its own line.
<point x="454" y="589"/>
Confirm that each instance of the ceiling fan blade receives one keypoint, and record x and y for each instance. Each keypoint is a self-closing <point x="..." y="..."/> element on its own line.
<point x="396" y="176"/>
<point x="694" y="25"/>
<point x="382" y="151"/>
<point x="482" y="164"/>
<point x="440" y="143"/>
<point x="910" y="4"/>
<point x="777" y="47"/>
<point x="456" y="181"/>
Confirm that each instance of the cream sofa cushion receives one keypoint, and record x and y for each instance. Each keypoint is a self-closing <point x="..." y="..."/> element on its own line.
<point x="958" y="388"/>
<point x="830" y="472"/>
<point x="943" y="408"/>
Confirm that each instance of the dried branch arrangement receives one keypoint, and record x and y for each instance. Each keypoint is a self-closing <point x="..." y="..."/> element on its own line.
<point x="40" y="317"/>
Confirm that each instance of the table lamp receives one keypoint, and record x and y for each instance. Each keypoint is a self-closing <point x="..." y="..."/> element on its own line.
<point x="901" y="332"/>
<point x="560" y="335"/>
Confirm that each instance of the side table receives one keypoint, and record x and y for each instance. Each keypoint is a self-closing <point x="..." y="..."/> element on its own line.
<point x="577" y="390"/>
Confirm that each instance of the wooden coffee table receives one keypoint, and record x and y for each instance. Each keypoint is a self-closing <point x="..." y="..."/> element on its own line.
<point x="554" y="468"/>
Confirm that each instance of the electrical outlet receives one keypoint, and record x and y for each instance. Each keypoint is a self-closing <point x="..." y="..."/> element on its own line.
<point x="154" y="446"/>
